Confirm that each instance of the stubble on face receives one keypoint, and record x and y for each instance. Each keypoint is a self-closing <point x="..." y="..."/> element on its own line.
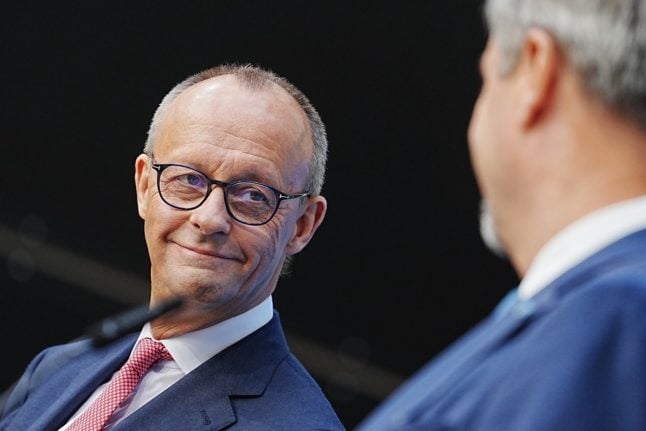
<point x="489" y="232"/>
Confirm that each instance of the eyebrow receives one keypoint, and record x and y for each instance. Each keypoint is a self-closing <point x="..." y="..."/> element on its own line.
<point x="251" y="176"/>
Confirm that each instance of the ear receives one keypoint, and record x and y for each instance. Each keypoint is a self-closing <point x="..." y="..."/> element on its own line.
<point x="142" y="173"/>
<point x="539" y="65"/>
<point x="307" y="224"/>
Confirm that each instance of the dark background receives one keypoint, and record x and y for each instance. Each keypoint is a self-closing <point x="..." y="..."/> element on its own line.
<point x="396" y="272"/>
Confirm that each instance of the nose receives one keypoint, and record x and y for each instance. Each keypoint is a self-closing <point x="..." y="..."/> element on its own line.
<point x="212" y="217"/>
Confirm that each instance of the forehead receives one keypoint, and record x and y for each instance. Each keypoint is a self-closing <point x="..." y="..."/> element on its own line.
<point x="222" y="122"/>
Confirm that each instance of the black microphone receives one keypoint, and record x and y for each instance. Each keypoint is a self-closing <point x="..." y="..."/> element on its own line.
<point x="114" y="327"/>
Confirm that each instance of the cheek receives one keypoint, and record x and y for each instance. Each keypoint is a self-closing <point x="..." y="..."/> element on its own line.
<point x="264" y="246"/>
<point x="488" y="133"/>
<point x="162" y="220"/>
<point x="268" y="242"/>
<point x="478" y="135"/>
<point x="493" y="150"/>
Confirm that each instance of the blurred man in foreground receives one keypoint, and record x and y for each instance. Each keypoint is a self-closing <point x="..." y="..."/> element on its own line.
<point x="558" y="145"/>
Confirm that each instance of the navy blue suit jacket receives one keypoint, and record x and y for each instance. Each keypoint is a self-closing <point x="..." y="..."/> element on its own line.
<point x="256" y="384"/>
<point x="572" y="358"/>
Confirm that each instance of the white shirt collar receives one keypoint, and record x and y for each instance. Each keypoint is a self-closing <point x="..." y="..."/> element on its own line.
<point x="194" y="348"/>
<point x="580" y="240"/>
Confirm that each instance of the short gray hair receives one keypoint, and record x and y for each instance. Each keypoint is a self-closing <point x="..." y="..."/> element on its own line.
<point x="256" y="78"/>
<point x="604" y="40"/>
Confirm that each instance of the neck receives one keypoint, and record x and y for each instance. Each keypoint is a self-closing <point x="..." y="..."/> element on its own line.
<point x="193" y="316"/>
<point x="188" y="318"/>
<point x="594" y="159"/>
<point x="602" y="186"/>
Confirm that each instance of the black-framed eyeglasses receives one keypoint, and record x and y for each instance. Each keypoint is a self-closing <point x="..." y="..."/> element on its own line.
<point x="248" y="202"/>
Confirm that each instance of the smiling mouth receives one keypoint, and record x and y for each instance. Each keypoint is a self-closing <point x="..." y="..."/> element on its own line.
<point x="206" y="253"/>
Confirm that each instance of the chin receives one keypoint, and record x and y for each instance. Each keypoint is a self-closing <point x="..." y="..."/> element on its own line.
<point x="203" y="286"/>
<point x="213" y="295"/>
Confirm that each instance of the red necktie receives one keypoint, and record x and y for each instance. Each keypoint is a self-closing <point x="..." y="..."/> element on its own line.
<point x="146" y="354"/>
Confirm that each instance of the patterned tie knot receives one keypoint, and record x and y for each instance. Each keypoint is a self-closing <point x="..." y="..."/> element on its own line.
<point x="146" y="354"/>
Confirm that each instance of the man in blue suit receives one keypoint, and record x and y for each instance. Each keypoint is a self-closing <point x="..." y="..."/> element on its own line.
<point x="229" y="188"/>
<point x="558" y="145"/>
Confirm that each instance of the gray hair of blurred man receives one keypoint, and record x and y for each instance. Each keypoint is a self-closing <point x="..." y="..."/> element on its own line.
<point x="604" y="40"/>
<point x="255" y="78"/>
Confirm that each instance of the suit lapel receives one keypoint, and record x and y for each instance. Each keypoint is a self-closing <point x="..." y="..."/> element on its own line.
<point x="198" y="401"/>
<point x="439" y="378"/>
<point x="201" y="400"/>
<point x="73" y="383"/>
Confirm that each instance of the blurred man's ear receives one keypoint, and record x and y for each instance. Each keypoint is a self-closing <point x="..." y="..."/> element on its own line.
<point x="307" y="224"/>
<point x="142" y="171"/>
<point x="540" y="60"/>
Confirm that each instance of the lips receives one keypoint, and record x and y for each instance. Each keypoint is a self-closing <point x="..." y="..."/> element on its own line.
<point x="207" y="252"/>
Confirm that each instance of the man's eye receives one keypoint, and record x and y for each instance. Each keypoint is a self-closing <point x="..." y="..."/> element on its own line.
<point x="193" y="180"/>
<point x="256" y="196"/>
<point x="251" y="194"/>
